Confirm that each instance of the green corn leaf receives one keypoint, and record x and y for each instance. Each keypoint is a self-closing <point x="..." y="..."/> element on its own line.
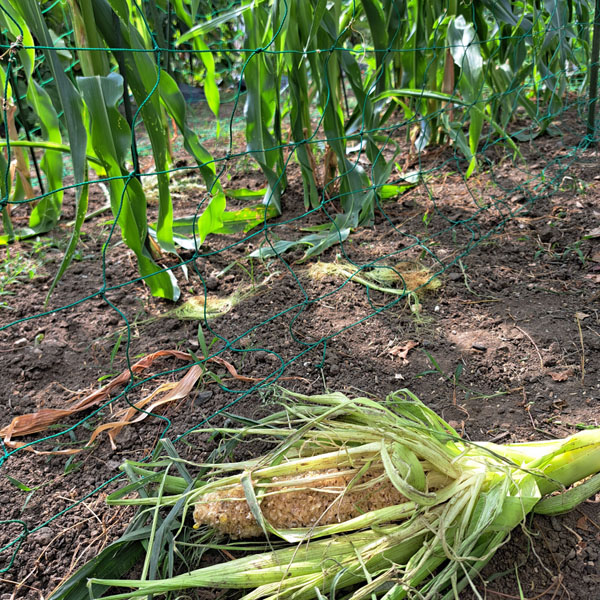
<point x="211" y="89"/>
<point x="174" y="102"/>
<point x="155" y="123"/>
<point x="376" y="18"/>
<point x="262" y="103"/>
<point x="456" y="134"/>
<point x="211" y="219"/>
<point x="190" y="232"/>
<point x="418" y="93"/>
<point x="27" y="53"/>
<point x="109" y="135"/>
<point x="392" y="191"/>
<point x="318" y="14"/>
<point x="503" y="12"/>
<point x="245" y="219"/>
<point x="275" y="249"/>
<point x="72" y="108"/>
<point x="300" y="121"/>
<point x="464" y="47"/>
<point x="179" y="6"/>
<point x="369" y="119"/>
<point x="203" y="28"/>
<point x="319" y="242"/>
<point x="316" y="243"/>
<point x="87" y="35"/>
<point x="114" y="561"/>
<point x="142" y="77"/>
<point x="46" y="212"/>
<point x="245" y="193"/>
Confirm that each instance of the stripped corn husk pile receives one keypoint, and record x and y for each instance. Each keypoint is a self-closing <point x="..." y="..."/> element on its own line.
<point x="398" y="279"/>
<point x="381" y="499"/>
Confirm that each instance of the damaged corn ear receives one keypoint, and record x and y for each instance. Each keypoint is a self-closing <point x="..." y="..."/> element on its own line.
<point x="297" y="501"/>
<point x="350" y="472"/>
<point x="329" y="476"/>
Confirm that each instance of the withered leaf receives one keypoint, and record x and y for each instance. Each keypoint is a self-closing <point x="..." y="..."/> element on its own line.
<point x="562" y="375"/>
<point x="582" y="523"/>
<point x="402" y="350"/>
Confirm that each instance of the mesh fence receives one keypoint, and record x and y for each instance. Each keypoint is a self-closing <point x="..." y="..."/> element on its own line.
<point x="331" y="120"/>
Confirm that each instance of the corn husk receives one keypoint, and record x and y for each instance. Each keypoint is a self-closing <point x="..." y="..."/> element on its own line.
<point x="381" y="496"/>
<point x="399" y="279"/>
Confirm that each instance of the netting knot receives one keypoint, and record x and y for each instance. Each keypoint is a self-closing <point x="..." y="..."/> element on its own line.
<point x="14" y="48"/>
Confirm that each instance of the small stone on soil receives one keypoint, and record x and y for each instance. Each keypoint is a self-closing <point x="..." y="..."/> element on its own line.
<point x="547" y="234"/>
<point x="212" y="284"/>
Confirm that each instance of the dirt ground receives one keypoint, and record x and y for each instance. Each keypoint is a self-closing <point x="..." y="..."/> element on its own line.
<point x="506" y="348"/>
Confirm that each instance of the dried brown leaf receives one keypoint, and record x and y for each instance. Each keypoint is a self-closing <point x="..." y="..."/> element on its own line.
<point x="39" y="421"/>
<point x="593" y="233"/>
<point x="42" y="419"/>
<point x="582" y="523"/>
<point x="401" y="351"/>
<point x="562" y="375"/>
<point x="142" y="409"/>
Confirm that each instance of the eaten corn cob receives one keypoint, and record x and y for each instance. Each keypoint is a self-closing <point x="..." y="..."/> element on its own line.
<point x="306" y="500"/>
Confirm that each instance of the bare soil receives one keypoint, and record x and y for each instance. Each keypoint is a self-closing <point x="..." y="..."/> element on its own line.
<point x="506" y="349"/>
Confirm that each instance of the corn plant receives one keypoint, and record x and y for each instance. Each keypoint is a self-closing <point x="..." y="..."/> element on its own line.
<point x="457" y="70"/>
<point x="330" y="84"/>
<point x="97" y="135"/>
